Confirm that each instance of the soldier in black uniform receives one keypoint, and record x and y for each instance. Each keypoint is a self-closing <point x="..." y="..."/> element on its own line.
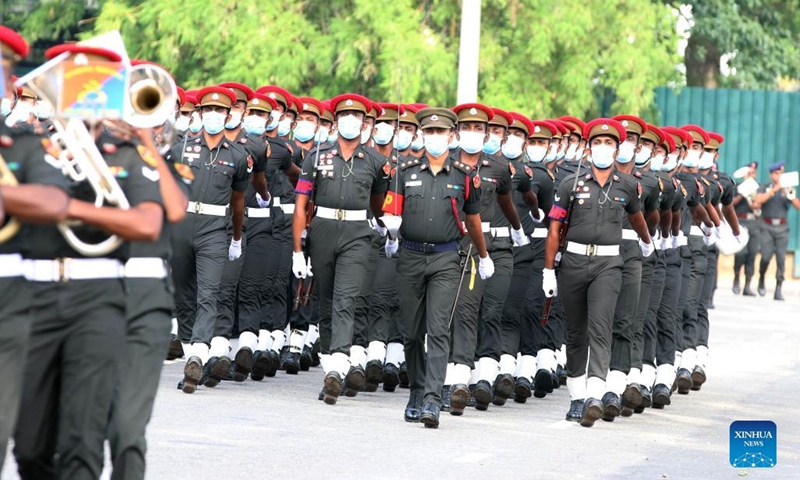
<point x="38" y="196"/>
<point x="749" y="214"/>
<point x="775" y="201"/>
<point x="432" y="193"/>
<point x="221" y="172"/>
<point x="147" y="312"/>
<point x="348" y="180"/>
<point x="590" y="272"/>
<point x="78" y="313"/>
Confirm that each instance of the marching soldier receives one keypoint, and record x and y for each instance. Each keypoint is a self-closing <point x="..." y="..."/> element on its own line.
<point x="39" y="196"/>
<point x="345" y="182"/>
<point x="431" y="194"/>
<point x="221" y="173"/>
<point x="590" y="272"/>
<point x="775" y="201"/>
<point x="749" y="214"/>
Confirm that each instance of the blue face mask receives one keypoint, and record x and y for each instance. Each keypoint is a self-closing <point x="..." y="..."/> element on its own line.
<point x="349" y="126"/>
<point x="436" y="145"/>
<point x="322" y="135"/>
<point x="254" y="125"/>
<point x="197" y="123"/>
<point x="303" y="131"/>
<point x="626" y="152"/>
<point x="284" y="127"/>
<point x="213" y="122"/>
<point x="333" y="136"/>
<point x="236" y="119"/>
<point x="453" y="145"/>
<point x="418" y="144"/>
<point x="492" y="145"/>
<point x="403" y="140"/>
<point x="274" y="118"/>
<point x="383" y="133"/>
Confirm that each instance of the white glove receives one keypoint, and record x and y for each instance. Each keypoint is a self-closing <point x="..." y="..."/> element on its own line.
<point x="299" y="267"/>
<point x="549" y="284"/>
<point x="382" y="231"/>
<point x="309" y="273"/>
<point x="519" y="237"/>
<point x="706" y="230"/>
<point x="647" y="248"/>
<point x="391" y="247"/>
<point x="261" y="202"/>
<point x="485" y="267"/>
<point x="541" y="216"/>
<point x="235" y="250"/>
<point x="791" y="194"/>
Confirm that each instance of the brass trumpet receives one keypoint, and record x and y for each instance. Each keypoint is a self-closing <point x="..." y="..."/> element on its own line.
<point x="7" y="179"/>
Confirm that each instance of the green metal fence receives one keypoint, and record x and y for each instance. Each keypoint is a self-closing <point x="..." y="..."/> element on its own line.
<point x="758" y="125"/>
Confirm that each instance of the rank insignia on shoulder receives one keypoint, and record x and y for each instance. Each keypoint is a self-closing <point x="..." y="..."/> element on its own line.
<point x="242" y="140"/>
<point x="639" y="188"/>
<point x="387" y="169"/>
<point x="197" y="140"/>
<point x="512" y="169"/>
<point x="700" y="187"/>
<point x="146" y="155"/>
<point x="360" y="155"/>
<point x="225" y="145"/>
<point x="705" y="180"/>
<point x="486" y="162"/>
<point x="185" y="171"/>
<point x="615" y="178"/>
<point x="476" y="181"/>
<point x="683" y="190"/>
<point x="528" y="171"/>
<point x="660" y="184"/>
<point x="249" y="163"/>
<point x="637" y="174"/>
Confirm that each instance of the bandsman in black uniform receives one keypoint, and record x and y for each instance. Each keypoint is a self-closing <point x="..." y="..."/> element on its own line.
<point x="348" y="180"/>
<point x="775" y="201"/>
<point x="749" y="214"/>
<point x="32" y="188"/>
<point x="431" y="195"/>
<point x="590" y="272"/>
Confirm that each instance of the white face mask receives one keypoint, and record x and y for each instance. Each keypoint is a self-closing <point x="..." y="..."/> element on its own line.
<point x="322" y="135"/>
<point x="706" y="160"/>
<point x="692" y="158"/>
<point x="284" y="127"/>
<point x="513" y="147"/>
<point x="551" y="153"/>
<point x="182" y="123"/>
<point x="236" y="119"/>
<point x="403" y="140"/>
<point x="643" y="156"/>
<point x="349" y="127"/>
<point x="603" y="156"/>
<point x="671" y="163"/>
<point x="365" y="136"/>
<point x="436" y="145"/>
<point x="196" y="124"/>
<point x="657" y="162"/>
<point x="572" y="150"/>
<point x="471" y="142"/>
<point x="418" y="143"/>
<point x="255" y="125"/>
<point x="274" y="118"/>
<point x="535" y="153"/>
<point x="304" y="130"/>
<point x="625" y="154"/>
<point x="383" y="133"/>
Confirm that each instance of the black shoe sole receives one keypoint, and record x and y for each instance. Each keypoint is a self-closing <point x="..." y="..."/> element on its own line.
<point x="684" y="385"/>
<point x="541" y="384"/>
<point x="631" y="397"/>
<point x="192" y="373"/>
<point x="483" y="397"/>
<point x="390" y="382"/>
<point x="260" y="368"/>
<point x="243" y="365"/>
<point x="175" y="349"/>
<point x="218" y="372"/>
<point x="374" y="375"/>
<point x="430" y="421"/>
<point x="291" y="367"/>
<point x="660" y="400"/>
<point x="459" y="399"/>
<point x="698" y="379"/>
<point x="355" y="383"/>
<point x="503" y="389"/>
<point x="591" y="414"/>
<point x="333" y="388"/>
<point x="626" y="412"/>
<point x="521" y="393"/>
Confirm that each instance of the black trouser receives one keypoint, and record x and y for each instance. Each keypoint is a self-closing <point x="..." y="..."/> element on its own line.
<point x="464" y="328"/>
<point x="15" y="325"/>
<point x="516" y="298"/>
<point x="77" y="334"/>
<point x="643" y="306"/>
<point x="699" y="264"/>
<point x="197" y="265"/>
<point x="705" y="296"/>
<point x="426" y="287"/>
<point x="494" y="297"/>
<point x="651" y="326"/>
<point x="146" y="344"/>
<point x="338" y="251"/>
<point x="256" y="278"/>
<point x="774" y="241"/>
<point x="589" y="287"/>
<point x="686" y="274"/>
<point x="362" y="320"/>
<point x="383" y="300"/>
<point x="227" y="309"/>
<point x="305" y="315"/>
<point x="747" y="256"/>
<point x="280" y="262"/>
<point x="625" y="310"/>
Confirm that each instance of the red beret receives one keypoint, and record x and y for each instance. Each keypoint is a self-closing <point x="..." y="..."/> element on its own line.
<point x="281" y="95"/>
<point x="604" y="126"/>
<point x="309" y="104"/>
<point x="661" y="138"/>
<point x="327" y="113"/>
<point x="561" y="128"/>
<point x="216" y="96"/>
<point x="351" y="101"/>
<point x="391" y="111"/>
<point x="698" y="134"/>
<point x="544" y="129"/>
<point x="715" y="140"/>
<point x="473" y="112"/>
<point x="259" y="101"/>
<point x="376" y="110"/>
<point x="632" y="124"/>
<point x="501" y="117"/>
<point x="575" y="122"/>
<point x="678" y="134"/>
<point x="411" y="107"/>
<point x="12" y="42"/>
<point x="520" y="122"/>
<point x="243" y="92"/>
<point x="181" y="95"/>
<point x="75" y="49"/>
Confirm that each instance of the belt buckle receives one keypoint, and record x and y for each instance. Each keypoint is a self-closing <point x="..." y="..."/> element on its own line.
<point x="590" y="249"/>
<point x="63" y="266"/>
<point x="775" y="222"/>
<point x="340" y="215"/>
<point x="429" y="247"/>
<point x="197" y="207"/>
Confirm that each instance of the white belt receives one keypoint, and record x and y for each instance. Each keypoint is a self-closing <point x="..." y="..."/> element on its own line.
<point x="485" y="227"/>
<point x="257" y="212"/>
<point x="207" y="209"/>
<point x="539" y="233"/>
<point x="696" y="231"/>
<point x="343" y="215"/>
<point x="288" y="208"/>
<point x="64" y="269"/>
<point x="276" y="201"/>
<point x="593" y="250"/>
<point x="500" y="232"/>
<point x="146" y="267"/>
<point x="11" y="265"/>
<point x="628" y="234"/>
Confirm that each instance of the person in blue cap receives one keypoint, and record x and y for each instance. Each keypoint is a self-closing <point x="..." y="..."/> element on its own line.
<point x="749" y="214"/>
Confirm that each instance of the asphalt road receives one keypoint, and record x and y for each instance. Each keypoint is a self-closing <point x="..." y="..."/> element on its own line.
<point x="278" y="429"/>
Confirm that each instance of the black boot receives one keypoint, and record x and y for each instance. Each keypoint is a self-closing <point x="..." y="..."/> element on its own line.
<point x="736" y="288"/>
<point x="762" y="289"/>
<point x="747" y="291"/>
<point x="778" y="294"/>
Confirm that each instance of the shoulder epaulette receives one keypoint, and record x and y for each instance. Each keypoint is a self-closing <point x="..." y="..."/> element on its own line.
<point x="409" y="164"/>
<point x="660" y="184"/>
<point x="637" y="174"/>
<point x="462" y="166"/>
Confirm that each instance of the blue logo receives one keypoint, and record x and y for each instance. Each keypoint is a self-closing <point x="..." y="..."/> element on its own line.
<point x="753" y="444"/>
